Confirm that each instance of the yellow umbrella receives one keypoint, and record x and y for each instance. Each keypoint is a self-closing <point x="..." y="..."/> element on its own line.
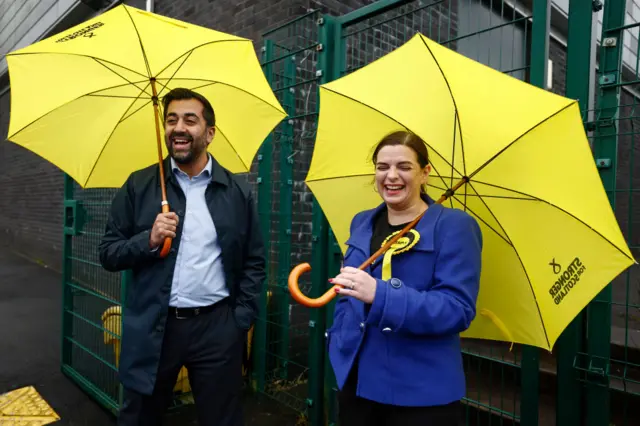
<point x="85" y="100"/>
<point x="515" y="156"/>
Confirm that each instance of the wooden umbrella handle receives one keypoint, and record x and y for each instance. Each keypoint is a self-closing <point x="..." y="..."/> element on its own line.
<point x="166" y="246"/>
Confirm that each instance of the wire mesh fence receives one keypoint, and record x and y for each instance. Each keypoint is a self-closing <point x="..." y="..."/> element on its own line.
<point x="290" y="55"/>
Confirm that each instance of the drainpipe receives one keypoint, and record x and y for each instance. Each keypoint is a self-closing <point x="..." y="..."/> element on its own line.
<point x="149" y="7"/>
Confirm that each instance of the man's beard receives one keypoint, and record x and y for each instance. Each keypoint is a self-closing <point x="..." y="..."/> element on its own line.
<point x="197" y="146"/>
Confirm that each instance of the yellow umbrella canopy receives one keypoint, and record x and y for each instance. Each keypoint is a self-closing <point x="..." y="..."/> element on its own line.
<point x="83" y="99"/>
<point x="515" y="156"/>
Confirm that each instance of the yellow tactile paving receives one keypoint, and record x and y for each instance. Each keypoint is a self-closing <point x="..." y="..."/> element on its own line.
<point x="25" y="407"/>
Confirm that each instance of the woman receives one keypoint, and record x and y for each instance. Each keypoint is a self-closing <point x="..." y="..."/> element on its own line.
<point x="394" y="344"/>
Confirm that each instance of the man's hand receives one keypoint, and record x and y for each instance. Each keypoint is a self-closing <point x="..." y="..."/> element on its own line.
<point x="164" y="227"/>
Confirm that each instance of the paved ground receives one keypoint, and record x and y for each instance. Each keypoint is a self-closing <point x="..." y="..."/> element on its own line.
<point x="30" y="303"/>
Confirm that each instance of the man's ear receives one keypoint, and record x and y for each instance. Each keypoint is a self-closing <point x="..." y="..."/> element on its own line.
<point x="211" y="132"/>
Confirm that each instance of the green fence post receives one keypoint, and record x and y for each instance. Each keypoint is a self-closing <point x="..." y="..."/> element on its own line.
<point x="265" y="153"/>
<point x="125" y="281"/>
<point x="285" y="220"/>
<point x="529" y="408"/>
<point x="579" y="60"/>
<point x="334" y="256"/>
<point x="605" y="146"/>
<point x="67" y="265"/>
<point x="334" y="261"/>
<point x="319" y="257"/>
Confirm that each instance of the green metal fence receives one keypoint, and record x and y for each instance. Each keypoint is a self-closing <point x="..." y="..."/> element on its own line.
<point x="608" y="355"/>
<point x="88" y="292"/>
<point x="593" y="375"/>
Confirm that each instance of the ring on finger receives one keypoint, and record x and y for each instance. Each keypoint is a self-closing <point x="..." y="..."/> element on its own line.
<point x="351" y="285"/>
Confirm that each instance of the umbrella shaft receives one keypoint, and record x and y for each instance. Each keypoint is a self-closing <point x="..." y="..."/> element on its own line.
<point x="156" y="115"/>
<point x="448" y="194"/>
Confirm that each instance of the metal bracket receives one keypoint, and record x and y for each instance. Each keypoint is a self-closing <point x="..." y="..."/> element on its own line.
<point x="603" y="163"/>
<point x="610" y="42"/>
<point x="74" y="217"/>
<point x="607" y="79"/>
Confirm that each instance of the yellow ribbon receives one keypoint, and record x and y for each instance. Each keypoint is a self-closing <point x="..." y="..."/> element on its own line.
<point x="499" y="324"/>
<point x="403" y="244"/>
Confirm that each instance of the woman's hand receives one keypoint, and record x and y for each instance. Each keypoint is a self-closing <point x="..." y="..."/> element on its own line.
<point x="356" y="283"/>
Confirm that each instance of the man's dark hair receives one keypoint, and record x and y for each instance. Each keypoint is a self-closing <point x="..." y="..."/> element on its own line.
<point x="181" y="94"/>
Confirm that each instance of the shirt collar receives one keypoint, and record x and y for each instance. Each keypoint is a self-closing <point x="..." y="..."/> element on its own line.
<point x="207" y="171"/>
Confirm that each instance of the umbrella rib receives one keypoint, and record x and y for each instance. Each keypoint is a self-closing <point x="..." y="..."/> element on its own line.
<point x="190" y="51"/>
<point x="106" y="142"/>
<point x="211" y="82"/>
<point x="490" y="211"/>
<point x="144" y="54"/>
<point x="504" y="197"/>
<point x="197" y="47"/>
<point x="505" y="237"/>
<point x="520" y="138"/>
<point x="455" y="106"/>
<point x="534" y="198"/>
<point x="113" y="96"/>
<point x="96" y="92"/>
<point x="526" y="274"/>
<point x="122" y="77"/>
<point x="82" y="55"/>
<point x="174" y="74"/>
<point x="232" y="147"/>
<point x="508" y="241"/>
<point x="524" y="269"/>
<point x="128" y="116"/>
<point x="394" y="120"/>
<point x="92" y="94"/>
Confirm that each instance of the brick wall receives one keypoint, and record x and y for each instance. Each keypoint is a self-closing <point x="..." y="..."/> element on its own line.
<point x="30" y="199"/>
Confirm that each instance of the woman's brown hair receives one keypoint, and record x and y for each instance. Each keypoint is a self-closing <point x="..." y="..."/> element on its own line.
<point x="408" y="139"/>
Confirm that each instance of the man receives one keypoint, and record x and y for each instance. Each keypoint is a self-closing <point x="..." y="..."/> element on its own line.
<point x="194" y="306"/>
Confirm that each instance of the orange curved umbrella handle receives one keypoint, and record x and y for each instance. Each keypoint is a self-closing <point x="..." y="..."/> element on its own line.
<point x="297" y="294"/>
